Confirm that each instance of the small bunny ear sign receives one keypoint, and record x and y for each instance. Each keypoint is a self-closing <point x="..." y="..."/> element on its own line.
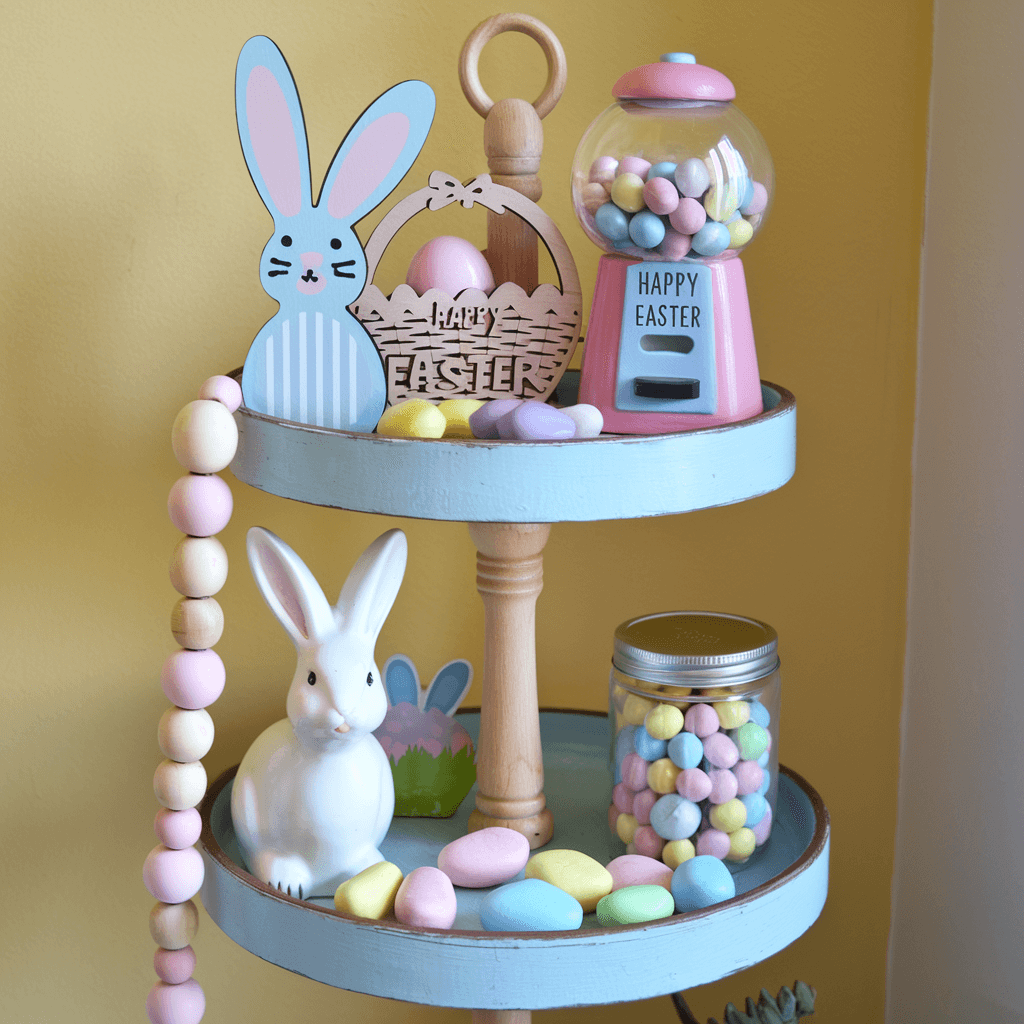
<point x="289" y="588"/>
<point x="449" y="687"/>
<point x="378" y="151"/>
<point x="272" y="129"/>
<point x="372" y="585"/>
<point x="401" y="682"/>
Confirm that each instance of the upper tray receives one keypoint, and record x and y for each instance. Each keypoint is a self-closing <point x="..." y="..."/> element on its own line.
<point x="609" y="477"/>
<point x="780" y="894"/>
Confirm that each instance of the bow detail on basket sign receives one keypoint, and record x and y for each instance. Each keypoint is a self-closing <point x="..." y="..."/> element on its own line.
<point x="448" y="189"/>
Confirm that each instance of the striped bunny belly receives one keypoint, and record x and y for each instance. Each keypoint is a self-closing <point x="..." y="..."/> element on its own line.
<point x="314" y="369"/>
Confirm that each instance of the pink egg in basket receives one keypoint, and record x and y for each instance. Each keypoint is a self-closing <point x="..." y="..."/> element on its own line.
<point x="450" y="264"/>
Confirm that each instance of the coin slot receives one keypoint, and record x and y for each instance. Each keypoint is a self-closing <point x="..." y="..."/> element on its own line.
<point x="681" y="343"/>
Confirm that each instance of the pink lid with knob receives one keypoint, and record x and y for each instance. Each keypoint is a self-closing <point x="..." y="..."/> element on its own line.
<point x="677" y="76"/>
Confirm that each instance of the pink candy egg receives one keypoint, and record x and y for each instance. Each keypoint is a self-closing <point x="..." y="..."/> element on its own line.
<point x="193" y="679"/>
<point x="176" y="1004"/>
<point x="622" y="797"/>
<point x="723" y="785"/>
<point x="759" y="201"/>
<point x="661" y="196"/>
<point x="225" y="390"/>
<point x="174" y="965"/>
<point x="693" y="784"/>
<point x="642" y="804"/>
<point x="200" y="505"/>
<point x="634" y="772"/>
<point x="720" y="750"/>
<point x="713" y="843"/>
<point x="701" y="719"/>
<point x="178" y="829"/>
<point x="764" y="827"/>
<point x="647" y="842"/>
<point x="451" y="265"/>
<point x="426" y="899"/>
<point x="749" y="775"/>
<point x="604" y="169"/>
<point x="688" y="217"/>
<point x="674" y="246"/>
<point x="173" y="876"/>
<point x="634" y="165"/>
<point x="491" y="856"/>
<point x="634" y="869"/>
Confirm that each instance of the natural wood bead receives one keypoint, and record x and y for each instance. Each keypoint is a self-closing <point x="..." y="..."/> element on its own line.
<point x="179" y="786"/>
<point x="174" y="925"/>
<point x="199" y="566"/>
<point x="197" y="623"/>
<point x="185" y="735"/>
<point x="204" y="437"/>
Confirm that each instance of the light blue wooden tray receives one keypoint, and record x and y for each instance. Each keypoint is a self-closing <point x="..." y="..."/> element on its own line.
<point x="610" y="477"/>
<point x="780" y="894"/>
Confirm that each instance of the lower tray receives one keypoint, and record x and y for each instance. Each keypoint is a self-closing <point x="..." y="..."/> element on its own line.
<point x="780" y="893"/>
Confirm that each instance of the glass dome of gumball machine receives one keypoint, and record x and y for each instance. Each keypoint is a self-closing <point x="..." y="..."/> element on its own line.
<point x="673" y="182"/>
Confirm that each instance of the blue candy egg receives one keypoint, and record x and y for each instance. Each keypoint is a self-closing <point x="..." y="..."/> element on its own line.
<point x="756" y="805"/>
<point x="711" y="240"/>
<point x="766" y="781"/>
<point x="647" y="746"/>
<point x="646" y="229"/>
<point x="759" y="713"/>
<point x="530" y="905"/>
<point x="665" y="169"/>
<point x="701" y="882"/>
<point x="746" y="192"/>
<point x="673" y="817"/>
<point x="612" y="222"/>
<point x="686" y="750"/>
<point x="624" y="743"/>
<point x="763" y="759"/>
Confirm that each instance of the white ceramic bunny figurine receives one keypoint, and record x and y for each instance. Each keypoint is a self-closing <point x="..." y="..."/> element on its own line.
<point x="314" y="797"/>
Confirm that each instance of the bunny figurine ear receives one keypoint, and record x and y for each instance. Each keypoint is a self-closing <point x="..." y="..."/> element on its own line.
<point x="378" y="151"/>
<point x="272" y="129"/>
<point x="289" y="588"/>
<point x="372" y="585"/>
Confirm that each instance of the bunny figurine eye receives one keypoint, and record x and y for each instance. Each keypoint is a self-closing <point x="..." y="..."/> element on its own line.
<point x="311" y="679"/>
<point x="369" y="679"/>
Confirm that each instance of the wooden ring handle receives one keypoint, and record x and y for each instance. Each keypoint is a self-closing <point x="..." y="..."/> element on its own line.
<point x="469" y="74"/>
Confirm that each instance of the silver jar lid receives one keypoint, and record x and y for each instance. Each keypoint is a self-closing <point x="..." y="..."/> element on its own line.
<point x="696" y="648"/>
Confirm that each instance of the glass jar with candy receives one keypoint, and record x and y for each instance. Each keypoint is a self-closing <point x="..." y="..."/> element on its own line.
<point x="694" y="713"/>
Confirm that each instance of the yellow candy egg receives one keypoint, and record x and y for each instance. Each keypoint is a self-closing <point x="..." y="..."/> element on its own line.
<point x="729" y="816"/>
<point x="620" y="721"/>
<point x="456" y="413"/>
<point x="677" y="851"/>
<point x="371" y="893"/>
<point x="628" y="192"/>
<point x="625" y="827"/>
<point x="741" y="844"/>
<point x="722" y="201"/>
<point x="582" y="877"/>
<point x="732" y="713"/>
<point x="415" y="417"/>
<point x="664" y="721"/>
<point x="635" y="709"/>
<point x="740" y="232"/>
<point x="662" y="775"/>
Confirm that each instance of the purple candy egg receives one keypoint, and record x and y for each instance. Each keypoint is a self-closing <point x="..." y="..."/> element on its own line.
<point x="484" y="422"/>
<point x="720" y="750"/>
<point x="536" y="421"/>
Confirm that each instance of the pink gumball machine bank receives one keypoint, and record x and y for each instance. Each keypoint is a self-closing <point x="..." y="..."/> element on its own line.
<point x="672" y="181"/>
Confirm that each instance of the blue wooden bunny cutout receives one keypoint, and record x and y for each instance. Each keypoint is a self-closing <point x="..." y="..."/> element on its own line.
<point x="313" y="362"/>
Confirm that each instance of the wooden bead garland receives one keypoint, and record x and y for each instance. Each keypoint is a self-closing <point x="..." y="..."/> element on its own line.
<point x="204" y="439"/>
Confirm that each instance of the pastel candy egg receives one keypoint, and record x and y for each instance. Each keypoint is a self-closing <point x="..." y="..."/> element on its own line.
<point x="426" y="899"/>
<point x="720" y="751"/>
<point x="646" y="229"/>
<point x="176" y="1004"/>
<point x="756" y="806"/>
<point x="763" y="759"/>
<point x="729" y="816"/>
<point x="692" y="178"/>
<point x="536" y="421"/>
<point x="676" y="852"/>
<point x="530" y="905"/>
<point x="193" y="679"/>
<point x="660" y="195"/>
<point x="612" y="222"/>
<point x="664" y="721"/>
<point x="757" y="202"/>
<point x="634" y="165"/>
<point x="766" y="782"/>
<point x="624" y="742"/>
<point x="672" y="817"/>
<point x="484" y="421"/>
<point x="173" y="876"/>
<point x="741" y="845"/>
<point x="573" y="872"/>
<point x="450" y="264"/>
<point x="204" y="437"/>
<point x="603" y="169"/>
<point x="588" y="419"/>
<point x="724" y="786"/>
<point x="642" y="804"/>
<point x="722" y="200"/>
<point x="732" y="713"/>
<point x="693" y="784"/>
<point x="487" y="857"/>
<point x="688" y="217"/>
<point x="701" y="882"/>
<point x="200" y="505"/>
<point x="647" y="842"/>
<point x="712" y="239"/>
<point x="635" y="904"/>
<point x="456" y="413"/>
<point x="749" y="775"/>
<point x="625" y="827"/>
<point x="593" y="196"/>
<point x="662" y="169"/>
<point x="685" y="750"/>
<point x="635" y="709"/>
<point x="633" y="869"/>
<point x="713" y="842"/>
<point x="760" y="714"/>
<point x="371" y="893"/>
<point x="634" y="772"/>
<point x="176" y="965"/>
<point x="647" y="746"/>
<point x="225" y="390"/>
<point x="415" y="417"/>
<point x="751" y="740"/>
<point x="740" y="232"/>
<point x="763" y="828"/>
<point x="674" y="246"/>
<point x="178" y="829"/>
<point x="622" y="798"/>
<point x="628" y="192"/>
<point x="701" y="720"/>
<point x="662" y="775"/>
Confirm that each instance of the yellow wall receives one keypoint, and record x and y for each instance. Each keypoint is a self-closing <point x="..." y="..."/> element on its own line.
<point x="131" y="232"/>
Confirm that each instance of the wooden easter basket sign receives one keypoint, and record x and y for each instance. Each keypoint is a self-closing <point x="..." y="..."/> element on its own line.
<point x="508" y="344"/>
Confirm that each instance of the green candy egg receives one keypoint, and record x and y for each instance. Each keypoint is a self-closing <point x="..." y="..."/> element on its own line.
<point x="635" y="904"/>
<point x="751" y="740"/>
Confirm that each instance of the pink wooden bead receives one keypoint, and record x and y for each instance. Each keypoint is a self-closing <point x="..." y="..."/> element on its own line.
<point x="174" y="965"/>
<point x="173" y="876"/>
<point x="642" y="804"/>
<point x="176" y="1004"/>
<point x="225" y="390"/>
<point x="701" y="719"/>
<point x="177" y="829"/>
<point x="200" y="505"/>
<point x="193" y="679"/>
<point x="634" y="772"/>
<point x="647" y="842"/>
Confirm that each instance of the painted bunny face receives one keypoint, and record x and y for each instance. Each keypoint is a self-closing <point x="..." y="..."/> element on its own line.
<point x="308" y="265"/>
